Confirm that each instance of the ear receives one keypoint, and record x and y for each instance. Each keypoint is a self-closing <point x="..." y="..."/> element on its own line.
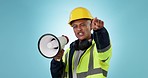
<point x="90" y="27"/>
<point x="90" y="24"/>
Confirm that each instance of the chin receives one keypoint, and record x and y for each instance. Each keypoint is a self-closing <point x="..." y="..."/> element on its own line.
<point x="81" y="39"/>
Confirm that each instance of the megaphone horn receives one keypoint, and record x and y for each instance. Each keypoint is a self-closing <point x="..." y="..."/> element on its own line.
<point x="49" y="45"/>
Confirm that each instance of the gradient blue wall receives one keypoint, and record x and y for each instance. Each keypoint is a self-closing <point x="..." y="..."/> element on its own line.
<point x="22" y="22"/>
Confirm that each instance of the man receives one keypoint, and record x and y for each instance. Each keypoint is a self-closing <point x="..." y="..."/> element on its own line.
<point x="89" y="55"/>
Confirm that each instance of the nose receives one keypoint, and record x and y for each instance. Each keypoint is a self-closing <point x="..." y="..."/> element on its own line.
<point x="79" y="28"/>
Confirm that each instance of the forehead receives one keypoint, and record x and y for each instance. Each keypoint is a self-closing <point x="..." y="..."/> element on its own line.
<point x="80" y="21"/>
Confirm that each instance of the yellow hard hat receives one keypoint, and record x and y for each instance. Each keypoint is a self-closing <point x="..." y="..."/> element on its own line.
<point x="79" y="13"/>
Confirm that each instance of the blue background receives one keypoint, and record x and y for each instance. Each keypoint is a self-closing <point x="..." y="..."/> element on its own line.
<point x="22" y="22"/>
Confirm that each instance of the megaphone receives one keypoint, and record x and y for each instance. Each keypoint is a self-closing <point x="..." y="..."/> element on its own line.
<point x="49" y="45"/>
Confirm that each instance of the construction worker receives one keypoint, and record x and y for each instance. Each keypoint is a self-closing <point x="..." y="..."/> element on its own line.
<point x="90" y="54"/>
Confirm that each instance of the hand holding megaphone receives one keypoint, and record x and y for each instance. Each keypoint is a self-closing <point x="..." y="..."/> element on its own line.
<point x="59" y="55"/>
<point x="50" y="46"/>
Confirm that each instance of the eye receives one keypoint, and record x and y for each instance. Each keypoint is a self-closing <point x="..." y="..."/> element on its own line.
<point x="82" y="24"/>
<point x="74" y="26"/>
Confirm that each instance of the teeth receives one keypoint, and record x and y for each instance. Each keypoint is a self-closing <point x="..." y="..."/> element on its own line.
<point x="80" y="34"/>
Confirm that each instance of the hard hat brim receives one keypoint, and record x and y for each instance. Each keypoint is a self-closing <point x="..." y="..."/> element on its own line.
<point x="70" y="23"/>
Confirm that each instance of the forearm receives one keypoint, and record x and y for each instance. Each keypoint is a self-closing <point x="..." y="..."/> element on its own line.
<point x="102" y="40"/>
<point x="57" y="68"/>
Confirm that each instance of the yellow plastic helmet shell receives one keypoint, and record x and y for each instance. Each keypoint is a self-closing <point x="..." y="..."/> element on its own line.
<point x="79" y="13"/>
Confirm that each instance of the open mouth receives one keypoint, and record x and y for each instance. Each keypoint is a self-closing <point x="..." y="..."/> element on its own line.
<point x="80" y="33"/>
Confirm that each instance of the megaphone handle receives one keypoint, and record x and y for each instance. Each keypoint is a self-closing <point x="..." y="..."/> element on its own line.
<point x="58" y="57"/>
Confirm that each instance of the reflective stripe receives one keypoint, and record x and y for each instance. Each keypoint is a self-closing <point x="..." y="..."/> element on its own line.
<point x="104" y="49"/>
<point x="65" y="73"/>
<point x="66" y="55"/>
<point x="77" y="57"/>
<point x="91" y="70"/>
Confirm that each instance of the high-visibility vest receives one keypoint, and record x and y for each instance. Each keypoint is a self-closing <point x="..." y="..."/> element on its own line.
<point x="92" y="64"/>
